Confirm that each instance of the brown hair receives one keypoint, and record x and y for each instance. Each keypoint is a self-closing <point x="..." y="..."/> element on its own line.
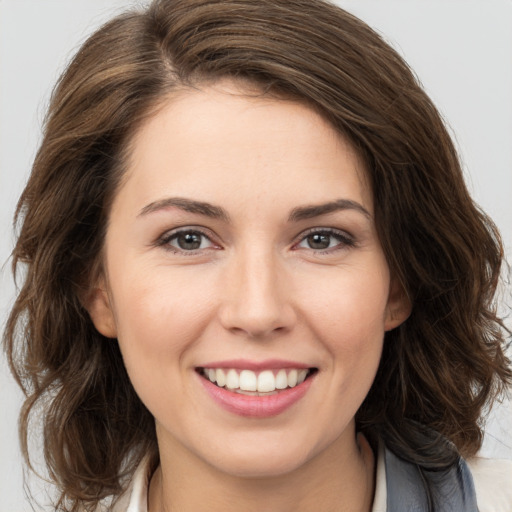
<point x="439" y="370"/>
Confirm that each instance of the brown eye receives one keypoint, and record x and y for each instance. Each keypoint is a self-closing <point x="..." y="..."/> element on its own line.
<point x="326" y="240"/>
<point x="188" y="241"/>
<point x="319" y="240"/>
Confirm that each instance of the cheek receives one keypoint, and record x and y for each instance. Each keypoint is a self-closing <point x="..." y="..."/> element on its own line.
<point x="160" y="320"/>
<point x="348" y="311"/>
<point x="159" y="316"/>
<point x="348" y="316"/>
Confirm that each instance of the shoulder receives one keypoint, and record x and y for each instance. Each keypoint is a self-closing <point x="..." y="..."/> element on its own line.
<point x="493" y="483"/>
<point x="479" y="482"/>
<point x="135" y="496"/>
<point x="492" y="479"/>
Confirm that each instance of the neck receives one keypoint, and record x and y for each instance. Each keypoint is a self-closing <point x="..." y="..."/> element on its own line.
<point x="340" y="479"/>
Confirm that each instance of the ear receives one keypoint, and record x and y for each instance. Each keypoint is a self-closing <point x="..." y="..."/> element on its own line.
<point x="398" y="307"/>
<point x="98" y="304"/>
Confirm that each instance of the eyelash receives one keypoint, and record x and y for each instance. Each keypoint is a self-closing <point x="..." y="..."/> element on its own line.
<point x="166" y="239"/>
<point x="345" y="240"/>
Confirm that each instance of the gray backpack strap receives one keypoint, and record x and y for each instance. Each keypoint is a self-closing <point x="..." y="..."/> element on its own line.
<point x="412" y="490"/>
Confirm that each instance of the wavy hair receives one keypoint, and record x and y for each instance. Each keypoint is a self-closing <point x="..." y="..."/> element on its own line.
<point x="439" y="371"/>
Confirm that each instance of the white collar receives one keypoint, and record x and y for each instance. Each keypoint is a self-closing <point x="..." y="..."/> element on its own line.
<point x="135" y="498"/>
<point x="492" y="478"/>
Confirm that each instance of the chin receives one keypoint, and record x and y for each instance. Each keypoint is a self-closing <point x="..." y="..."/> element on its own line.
<point x="254" y="462"/>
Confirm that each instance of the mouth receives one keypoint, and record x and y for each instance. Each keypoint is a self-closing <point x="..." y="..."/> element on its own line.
<point x="256" y="383"/>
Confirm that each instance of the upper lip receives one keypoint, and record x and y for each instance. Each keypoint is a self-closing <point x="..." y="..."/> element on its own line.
<point x="245" y="364"/>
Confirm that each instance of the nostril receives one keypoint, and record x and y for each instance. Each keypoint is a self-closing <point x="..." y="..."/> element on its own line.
<point x="257" y="311"/>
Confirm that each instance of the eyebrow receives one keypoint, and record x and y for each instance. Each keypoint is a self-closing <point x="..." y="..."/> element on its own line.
<point x="216" y="212"/>
<point x="188" y="205"/>
<point x="309" y="212"/>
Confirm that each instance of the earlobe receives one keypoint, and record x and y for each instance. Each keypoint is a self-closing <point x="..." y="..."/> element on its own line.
<point x="398" y="307"/>
<point x="99" y="307"/>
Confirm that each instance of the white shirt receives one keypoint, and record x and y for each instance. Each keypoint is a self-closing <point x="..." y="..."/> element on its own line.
<point x="492" y="479"/>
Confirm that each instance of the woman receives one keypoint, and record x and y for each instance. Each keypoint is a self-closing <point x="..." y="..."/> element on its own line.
<point x="254" y="276"/>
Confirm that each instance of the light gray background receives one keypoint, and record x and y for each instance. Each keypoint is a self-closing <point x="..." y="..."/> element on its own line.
<point x="460" y="49"/>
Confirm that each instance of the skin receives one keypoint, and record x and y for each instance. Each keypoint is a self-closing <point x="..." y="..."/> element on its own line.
<point x="256" y="289"/>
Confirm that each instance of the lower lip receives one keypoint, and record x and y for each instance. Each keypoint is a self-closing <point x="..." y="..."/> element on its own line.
<point x="256" y="406"/>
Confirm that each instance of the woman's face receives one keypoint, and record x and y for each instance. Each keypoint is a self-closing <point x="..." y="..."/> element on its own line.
<point x="242" y="249"/>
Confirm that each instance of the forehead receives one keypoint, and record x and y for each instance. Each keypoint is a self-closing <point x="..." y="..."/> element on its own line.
<point x="234" y="141"/>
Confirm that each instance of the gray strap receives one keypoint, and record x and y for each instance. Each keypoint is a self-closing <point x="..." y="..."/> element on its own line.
<point x="412" y="490"/>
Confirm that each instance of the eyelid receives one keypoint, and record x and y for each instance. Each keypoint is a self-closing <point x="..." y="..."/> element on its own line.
<point x="345" y="238"/>
<point x="164" y="239"/>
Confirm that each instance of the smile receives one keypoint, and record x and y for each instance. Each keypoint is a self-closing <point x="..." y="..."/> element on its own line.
<point x="257" y="393"/>
<point x="256" y="383"/>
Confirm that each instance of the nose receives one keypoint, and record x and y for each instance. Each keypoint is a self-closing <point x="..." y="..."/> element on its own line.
<point x="256" y="296"/>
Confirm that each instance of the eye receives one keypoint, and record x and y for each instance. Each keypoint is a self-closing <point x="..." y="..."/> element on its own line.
<point x="186" y="240"/>
<point x="325" y="240"/>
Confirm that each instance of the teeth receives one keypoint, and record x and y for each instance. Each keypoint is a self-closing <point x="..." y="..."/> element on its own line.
<point x="232" y="379"/>
<point x="266" y="381"/>
<point x="248" y="381"/>
<point x="220" y="377"/>
<point x="301" y="376"/>
<point x="281" y="380"/>
<point x="251" y="382"/>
